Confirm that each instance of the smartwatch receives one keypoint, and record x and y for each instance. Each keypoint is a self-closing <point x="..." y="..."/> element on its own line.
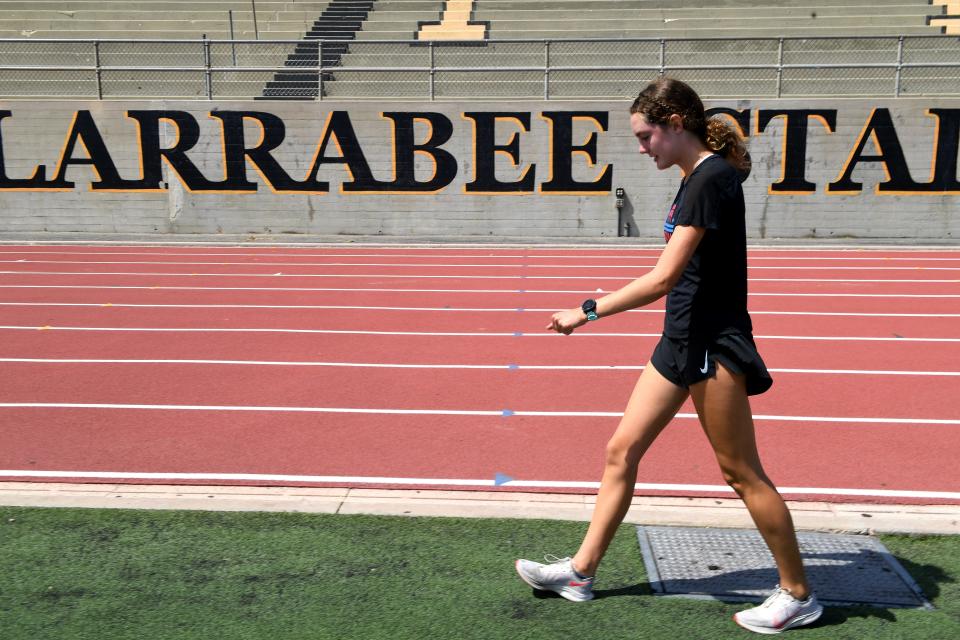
<point x="589" y="307"/>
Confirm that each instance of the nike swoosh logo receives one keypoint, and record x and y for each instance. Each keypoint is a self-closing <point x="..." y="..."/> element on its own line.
<point x="706" y="365"/>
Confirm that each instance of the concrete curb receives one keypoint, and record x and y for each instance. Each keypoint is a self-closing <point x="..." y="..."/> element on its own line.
<point x="695" y="512"/>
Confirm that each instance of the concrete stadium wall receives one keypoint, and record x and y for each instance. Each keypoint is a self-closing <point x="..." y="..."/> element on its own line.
<point x="822" y="168"/>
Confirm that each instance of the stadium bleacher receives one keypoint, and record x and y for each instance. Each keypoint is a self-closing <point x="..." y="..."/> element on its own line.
<point x="684" y="22"/>
<point x="157" y="19"/>
<point x="950" y="22"/>
<point x="587" y="19"/>
<point x="404" y="19"/>
<point x="388" y="35"/>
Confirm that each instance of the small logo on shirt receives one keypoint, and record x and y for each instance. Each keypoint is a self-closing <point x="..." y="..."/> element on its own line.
<point x="668" y="225"/>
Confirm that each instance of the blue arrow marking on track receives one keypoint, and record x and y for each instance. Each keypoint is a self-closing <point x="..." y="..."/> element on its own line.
<point x="507" y="413"/>
<point x="513" y="367"/>
<point x="500" y="479"/>
<point x="517" y="334"/>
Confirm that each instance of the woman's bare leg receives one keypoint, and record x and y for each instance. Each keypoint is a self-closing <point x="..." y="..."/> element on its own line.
<point x="724" y="411"/>
<point x="653" y="403"/>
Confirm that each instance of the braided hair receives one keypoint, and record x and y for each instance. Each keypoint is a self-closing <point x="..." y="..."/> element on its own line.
<point x="667" y="96"/>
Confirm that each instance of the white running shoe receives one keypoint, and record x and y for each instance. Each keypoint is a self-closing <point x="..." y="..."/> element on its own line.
<point x="779" y="612"/>
<point x="557" y="576"/>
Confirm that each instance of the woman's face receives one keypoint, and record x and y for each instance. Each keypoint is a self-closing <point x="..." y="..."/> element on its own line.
<point x="659" y="141"/>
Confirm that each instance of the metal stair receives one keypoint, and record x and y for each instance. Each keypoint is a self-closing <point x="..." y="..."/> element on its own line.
<point x="336" y="27"/>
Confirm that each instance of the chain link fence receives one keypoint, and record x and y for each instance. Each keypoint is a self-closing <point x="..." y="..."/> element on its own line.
<point x="533" y="69"/>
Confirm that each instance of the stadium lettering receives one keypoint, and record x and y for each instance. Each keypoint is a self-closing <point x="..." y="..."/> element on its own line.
<point x="171" y="137"/>
<point x="339" y="130"/>
<point x="152" y="154"/>
<point x="238" y="154"/>
<point x="793" y="157"/>
<point x="485" y="150"/>
<point x="880" y="129"/>
<point x="561" y="165"/>
<point x="32" y="183"/>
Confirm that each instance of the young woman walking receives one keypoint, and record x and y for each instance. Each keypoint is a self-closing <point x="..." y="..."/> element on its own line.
<point x="706" y="352"/>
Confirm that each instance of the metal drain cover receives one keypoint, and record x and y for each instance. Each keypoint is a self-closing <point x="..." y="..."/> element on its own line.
<point x="735" y="564"/>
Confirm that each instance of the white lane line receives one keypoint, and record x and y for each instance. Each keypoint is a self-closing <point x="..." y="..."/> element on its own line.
<point x="390" y="365"/>
<point x="323" y="249"/>
<point x="868" y="372"/>
<point x="447" y="308"/>
<point x="293" y="363"/>
<point x="448" y="412"/>
<point x="268" y="330"/>
<point x="155" y="243"/>
<point x="430" y="277"/>
<point x="453" y="265"/>
<point x="461" y="291"/>
<point x="516" y="334"/>
<point x="755" y="253"/>
<point x="456" y="482"/>
<point x="848" y="295"/>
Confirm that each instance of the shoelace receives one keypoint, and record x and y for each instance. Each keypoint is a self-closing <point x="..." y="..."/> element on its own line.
<point x="778" y="594"/>
<point x="555" y="565"/>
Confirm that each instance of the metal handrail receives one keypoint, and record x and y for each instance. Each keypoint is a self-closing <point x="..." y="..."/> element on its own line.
<point x="649" y="67"/>
<point x="207" y="68"/>
<point x="474" y="43"/>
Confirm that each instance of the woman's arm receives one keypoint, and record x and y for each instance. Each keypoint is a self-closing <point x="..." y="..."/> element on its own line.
<point x="649" y="287"/>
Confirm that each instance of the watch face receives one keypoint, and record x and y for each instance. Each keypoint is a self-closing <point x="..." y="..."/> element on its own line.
<point x="589" y="306"/>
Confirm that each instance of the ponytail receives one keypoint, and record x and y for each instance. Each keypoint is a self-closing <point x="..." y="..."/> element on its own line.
<point x="725" y="140"/>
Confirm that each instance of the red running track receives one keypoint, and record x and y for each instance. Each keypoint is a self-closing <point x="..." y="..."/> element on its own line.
<point x="430" y="367"/>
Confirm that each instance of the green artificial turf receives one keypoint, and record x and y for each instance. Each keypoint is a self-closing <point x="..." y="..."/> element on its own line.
<point x="116" y="574"/>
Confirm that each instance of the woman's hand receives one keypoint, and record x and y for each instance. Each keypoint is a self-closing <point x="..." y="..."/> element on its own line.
<point x="566" y="321"/>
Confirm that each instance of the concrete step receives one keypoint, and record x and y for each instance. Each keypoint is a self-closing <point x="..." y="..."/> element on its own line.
<point x="631" y="5"/>
<point x="266" y="6"/>
<point x="136" y="14"/>
<point x="158" y="5"/>
<point x="180" y="34"/>
<point x="732" y="32"/>
<point x="409" y="5"/>
<point x="824" y="12"/>
<point x="586" y="25"/>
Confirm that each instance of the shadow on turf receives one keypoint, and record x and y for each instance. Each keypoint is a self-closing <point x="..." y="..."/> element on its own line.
<point x="834" y="576"/>
<point x="639" y="589"/>
<point x="832" y="615"/>
<point x="928" y="578"/>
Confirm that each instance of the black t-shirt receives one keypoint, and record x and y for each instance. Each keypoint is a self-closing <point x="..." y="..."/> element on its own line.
<point x="710" y="299"/>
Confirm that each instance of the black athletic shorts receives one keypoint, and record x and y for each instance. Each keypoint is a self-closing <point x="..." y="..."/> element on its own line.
<point x="685" y="363"/>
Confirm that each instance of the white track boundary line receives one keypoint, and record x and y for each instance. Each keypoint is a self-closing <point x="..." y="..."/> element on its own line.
<point x="494" y="334"/>
<point x="517" y="245"/>
<point x="453" y="265"/>
<point x="445" y="309"/>
<point x="755" y="254"/>
<point x="432" y="276"/>
<point x="435" y="276"/>
<point x="448" y="412"/>
<point x="389" y="365"/>
<point x="456" y="482"/>
<point x="461" y="291"/>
